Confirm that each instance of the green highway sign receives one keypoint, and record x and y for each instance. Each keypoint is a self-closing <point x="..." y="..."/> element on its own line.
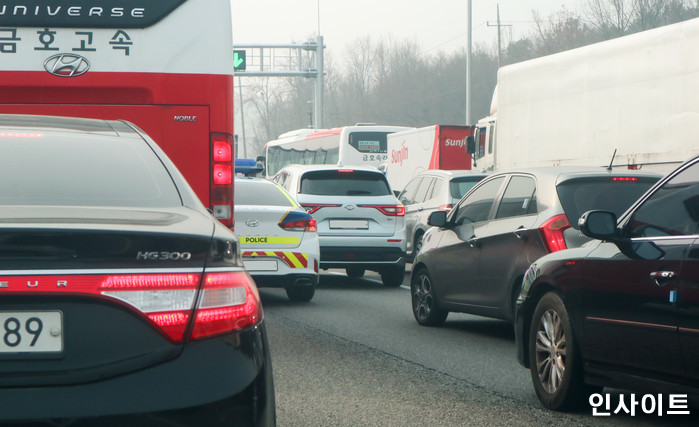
<point x="238" y="60"/>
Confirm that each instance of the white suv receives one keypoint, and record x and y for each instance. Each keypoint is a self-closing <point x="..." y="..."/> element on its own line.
<point x="361" y="224"/>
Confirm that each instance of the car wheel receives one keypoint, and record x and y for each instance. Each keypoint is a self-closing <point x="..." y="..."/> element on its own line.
<point x="355" y="272"/>
<point x="424" y="300"/>
<point x="393" y="277"/>
<point x="556" y="368"/>
<point x="417" y="243"/>
<point x="300" y="293"/>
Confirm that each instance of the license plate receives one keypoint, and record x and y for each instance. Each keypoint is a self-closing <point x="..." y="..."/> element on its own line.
<point x="349" y="224"/>
<point x="261" y="265"/>
<point x="31" y="332"/>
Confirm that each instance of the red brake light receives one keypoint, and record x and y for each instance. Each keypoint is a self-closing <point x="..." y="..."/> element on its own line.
<point x="345" y="170"/>
<point x="300" y="225"/>
<point x="390" y="210"/>
<point x="223" y="151"/>
<point x="552" y="233"/>
<point x="624" y="178"/>
<point x="228" y="302"/>
<point x="222" y="178"/>
<point x="222" y="174"/>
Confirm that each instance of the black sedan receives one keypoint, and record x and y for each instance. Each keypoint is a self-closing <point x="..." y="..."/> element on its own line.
<point x="622" y="311"/>
<point x="121" y="298"/>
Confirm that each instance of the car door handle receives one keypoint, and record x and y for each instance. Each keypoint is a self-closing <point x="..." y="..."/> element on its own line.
<point x="521" y="233"/>
<point x="662" y="277"/>
<point x="474" y="242"/>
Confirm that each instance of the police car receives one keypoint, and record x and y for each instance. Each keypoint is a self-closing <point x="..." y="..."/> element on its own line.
<point x="278" y="239"/>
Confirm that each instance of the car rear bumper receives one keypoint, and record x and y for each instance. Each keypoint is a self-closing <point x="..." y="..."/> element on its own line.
<point x="285" y="281"/>
<point x="218" y="381"/>
<point x="368" y="257"/>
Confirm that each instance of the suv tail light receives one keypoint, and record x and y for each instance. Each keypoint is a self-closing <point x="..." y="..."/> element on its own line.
<point x="552" y="233"/>
<point x="390" y="210"/>
<point x="310" y="208"/>
<point x="298" y="221"/>
<point x="222" y="178"/>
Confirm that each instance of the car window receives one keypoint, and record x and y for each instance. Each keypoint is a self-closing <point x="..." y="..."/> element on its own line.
<point x="613" y="194"/>
<point x="82" y="170"/>
<point x="476" y="206"/>
<point x="407" y="197"/>
<point x="260" y="194"/>
<point x="421" y="194"/>
<point x="672" y="210"/>
<point x="458" y="187"/>
<point x="344" y="183"/>
<point x="436" y="188"/>
<point x="518" y="199"/>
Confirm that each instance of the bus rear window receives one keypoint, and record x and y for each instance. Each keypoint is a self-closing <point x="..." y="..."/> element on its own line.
<point x="368" y="142"/>
<point x="337" y="183"/>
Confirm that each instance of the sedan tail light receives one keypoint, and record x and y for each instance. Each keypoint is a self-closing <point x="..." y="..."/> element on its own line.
<point x="228" y="299"/>
<point x="552" y="233"/>
<point x="298" y="221"/>
<point x="389" y="210"/>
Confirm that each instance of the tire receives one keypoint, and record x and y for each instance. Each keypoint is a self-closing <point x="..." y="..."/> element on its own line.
<point x="555" y="363"/>
<point x="393" y="277"/>
<point x="300" y="293"/>
<point x="355" y="272"/>
<point x="417" y="243"/>
<point x="424" y="300"/>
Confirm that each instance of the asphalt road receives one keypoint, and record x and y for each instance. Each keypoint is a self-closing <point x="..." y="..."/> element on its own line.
<point x="355" y="356"/>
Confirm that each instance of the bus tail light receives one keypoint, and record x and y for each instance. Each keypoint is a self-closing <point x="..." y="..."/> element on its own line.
<point x="222" y="178"/>
<point x="552" y="233"/>
<point x="389" y="210"/>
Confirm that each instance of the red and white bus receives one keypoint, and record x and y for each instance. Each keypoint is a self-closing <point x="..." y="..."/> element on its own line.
<point x="360" y="145"/>
<point x="165" y="65"/>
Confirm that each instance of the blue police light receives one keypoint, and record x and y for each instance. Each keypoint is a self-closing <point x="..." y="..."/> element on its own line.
<point x="248" y="167"/>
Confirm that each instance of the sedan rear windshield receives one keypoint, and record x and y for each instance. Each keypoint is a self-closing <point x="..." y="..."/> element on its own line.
<point x="460" y="186"/>
<point x="613" y="194"/>
<point x="83" y="170"/>
<point x="258" y="193"/>
<point x="344" y="183"/>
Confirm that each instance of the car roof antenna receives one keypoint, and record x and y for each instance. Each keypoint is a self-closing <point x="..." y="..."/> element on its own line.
<point x="609" y="168"/>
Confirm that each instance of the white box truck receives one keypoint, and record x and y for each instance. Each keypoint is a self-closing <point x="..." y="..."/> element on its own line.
<point x="636" y="94"/>
<point x="432" y="147"/>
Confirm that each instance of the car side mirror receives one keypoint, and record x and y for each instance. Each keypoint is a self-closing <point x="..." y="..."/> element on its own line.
<point x="437" y="219"/>
<point x="599" y="225"/>
<point x="470" y="144"/>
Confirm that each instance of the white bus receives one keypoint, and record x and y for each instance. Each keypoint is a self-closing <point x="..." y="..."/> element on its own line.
<point x="359" y="145"/>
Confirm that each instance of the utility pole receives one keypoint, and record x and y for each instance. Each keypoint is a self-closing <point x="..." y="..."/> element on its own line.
<point x="499" y="25"/>
<point x="468" y="63"/>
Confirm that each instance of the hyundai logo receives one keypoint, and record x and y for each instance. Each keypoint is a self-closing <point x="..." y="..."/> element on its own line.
<point x="66" y="65"/>
<point x="252" y="223"/>
<point x="349" y="207"/>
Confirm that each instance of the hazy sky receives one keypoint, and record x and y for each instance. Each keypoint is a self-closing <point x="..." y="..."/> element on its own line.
<point x="435" y="24"/>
